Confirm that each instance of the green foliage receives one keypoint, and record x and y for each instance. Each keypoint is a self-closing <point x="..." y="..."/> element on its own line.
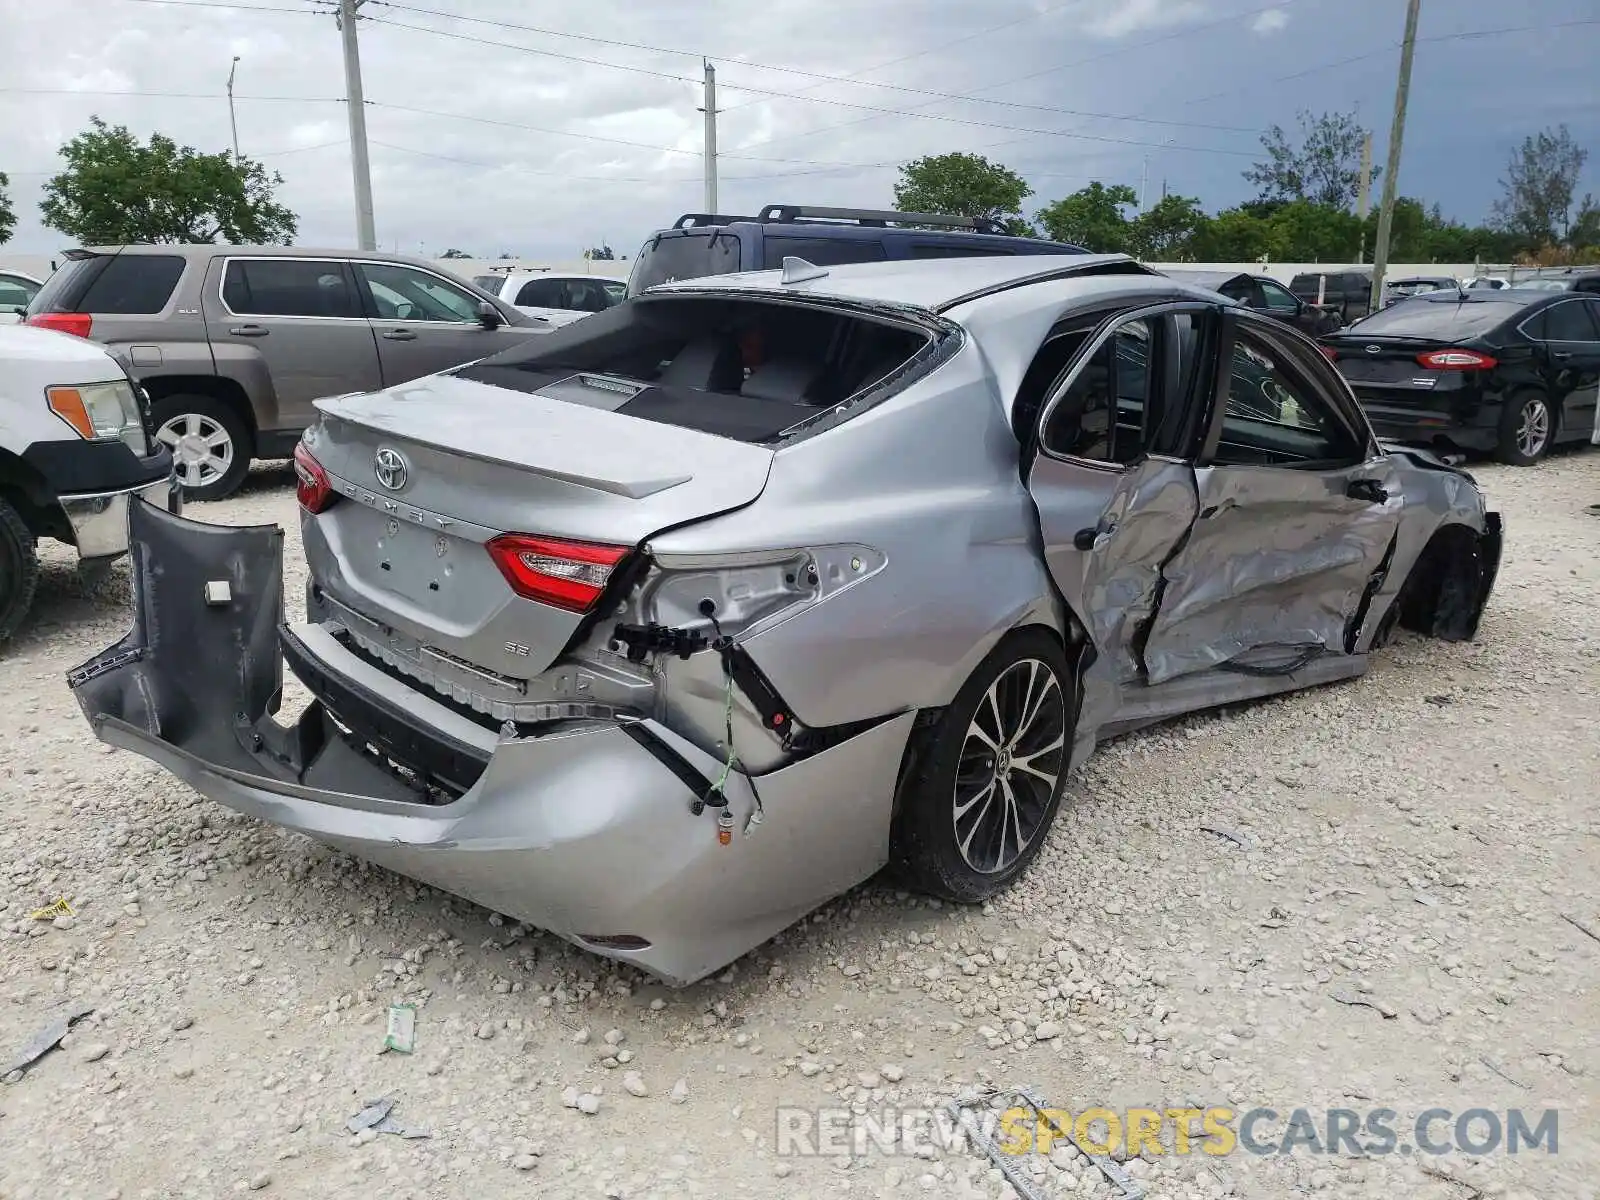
<point x="1092" y="217"/>
<point x="1540" y="185"/>
<point x="1168" y="231"/>
<point x="961" y="185"/>
<point x="115" y="190"/>
<point x="600" y="254"/>
<point x="454" y="253"/>
<point x="1323" y="167"/>
<point x="8" y="215"/>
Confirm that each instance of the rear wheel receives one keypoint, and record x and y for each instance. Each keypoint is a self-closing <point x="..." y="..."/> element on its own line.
<point x="19" y="569"/>
<point x="1526" y="429"/>
<point x="210" y="445"/>
<point x="977" y="809"/>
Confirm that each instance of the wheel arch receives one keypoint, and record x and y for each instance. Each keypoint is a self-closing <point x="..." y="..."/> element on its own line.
<point x="214" y="387"/>
<point x="27" y="491"/>
<point x="1445" y="592"/>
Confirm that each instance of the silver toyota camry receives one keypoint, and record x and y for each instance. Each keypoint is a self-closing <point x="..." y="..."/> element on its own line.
<point x="664" y="630"/>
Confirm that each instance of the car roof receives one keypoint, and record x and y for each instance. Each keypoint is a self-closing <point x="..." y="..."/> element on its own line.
<point x="1212" y="280"/>
<point x="213" y="250"/>
<point x="928" y="283"/>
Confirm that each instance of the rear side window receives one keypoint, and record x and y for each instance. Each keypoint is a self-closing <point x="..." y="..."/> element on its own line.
<point x="118" y="285"/>
<point x="743" y="369"/>
<point x="1569" y="321"/>
<point x="288" y="287"/>
<point x="489" y="283"/>
<point x="671" y="257"/>
<point x="821" y="252"/>
<point x="1449" y="318"/>
<point x="540" y="293"/>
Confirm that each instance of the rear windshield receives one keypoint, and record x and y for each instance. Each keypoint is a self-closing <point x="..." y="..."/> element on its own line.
<point x="670" y="257"/>
<point x="743" y="369"/>
<point x="123" y="284"/>
<point x="820" y="252"/>
<point x="1439" y="318"/>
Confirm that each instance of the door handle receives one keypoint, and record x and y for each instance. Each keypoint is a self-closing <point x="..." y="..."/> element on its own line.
<point x="1092" y="538"/>
<point x="1369" y="490"/>
<point x="249" y="331"/>
<point x="1561" y="355"/>
<point x="400" y="335"/>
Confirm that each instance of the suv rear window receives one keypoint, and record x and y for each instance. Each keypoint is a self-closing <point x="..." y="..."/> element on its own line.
<point x="743" y="369"/>
<point x="120" y="284"/>
<point x="671" y="257"/>
<point x="1450" y="318"/>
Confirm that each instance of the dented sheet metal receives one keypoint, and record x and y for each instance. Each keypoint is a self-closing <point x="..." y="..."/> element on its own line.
<point x="1275" y="570"/>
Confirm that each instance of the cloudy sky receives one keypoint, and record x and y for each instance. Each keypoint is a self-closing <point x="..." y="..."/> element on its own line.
<point x="541" y="129"/>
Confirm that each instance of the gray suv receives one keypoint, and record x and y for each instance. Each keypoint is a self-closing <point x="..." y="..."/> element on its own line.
<point x="233" y="343"/>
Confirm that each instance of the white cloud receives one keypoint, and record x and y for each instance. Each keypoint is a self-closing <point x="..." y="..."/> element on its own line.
<point x="1272" y="20"/>
<point x="1119" y="18"/>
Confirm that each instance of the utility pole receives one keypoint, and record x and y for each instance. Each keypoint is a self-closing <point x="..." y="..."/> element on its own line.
<point x="1364" y="200"/>
<point x="366" y="238"/>
<point x="1391" y="173"/>
<point x="710" y="111"/>
<point x="232" y="120"/>
<point x="1144" y="182"/>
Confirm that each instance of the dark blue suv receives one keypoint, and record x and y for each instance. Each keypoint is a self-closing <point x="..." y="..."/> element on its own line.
<point x="702" y="244"/>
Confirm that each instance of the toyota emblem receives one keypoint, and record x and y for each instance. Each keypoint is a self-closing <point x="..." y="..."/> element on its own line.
<point x="1373" y="349"/>
<point x="390" y="468"/>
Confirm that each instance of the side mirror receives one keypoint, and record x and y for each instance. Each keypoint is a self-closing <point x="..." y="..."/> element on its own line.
<point x="489" y="316"/>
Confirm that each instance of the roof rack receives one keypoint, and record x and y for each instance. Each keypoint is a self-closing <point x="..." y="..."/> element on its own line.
<point x="698" y="220"/>
<point x="877" y="217"/>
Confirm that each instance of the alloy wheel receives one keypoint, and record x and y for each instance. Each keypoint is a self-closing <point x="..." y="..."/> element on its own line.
<point x="1533" y="427"/>
<point x="1011" y="762"/>
<point x="202" y="450"/>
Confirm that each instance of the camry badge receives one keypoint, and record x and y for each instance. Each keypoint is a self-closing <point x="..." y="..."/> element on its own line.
<point x="390" y="468"/>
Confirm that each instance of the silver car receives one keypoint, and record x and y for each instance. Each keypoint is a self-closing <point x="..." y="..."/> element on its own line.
<point x="663" y="630"/>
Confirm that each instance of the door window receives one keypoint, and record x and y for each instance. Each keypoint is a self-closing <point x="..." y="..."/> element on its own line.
<point x="1101" y="416"/>
<point x="821" y="252"/>
<point x="1569" y="321"/>
<point x="287" y="287"/>
<point x="15" y="293"/>
<point x="402" y="293"/>
<point x="1272" y="415"/>
<point x="540" y="293"/>
<point x="1278" y="299"/>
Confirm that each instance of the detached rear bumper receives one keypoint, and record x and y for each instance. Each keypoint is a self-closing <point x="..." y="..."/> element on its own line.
<point x="585" y="830"/>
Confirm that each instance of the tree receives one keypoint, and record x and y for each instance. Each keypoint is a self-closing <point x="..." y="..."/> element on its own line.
<point x="1166" y="233"/>
<point x="1540" y="182"/>
<point x="1324" y="168"/>
<point x="454" y="253"/>
<point x="1240" y="235"/>
<point x="8" y="215"/>
<point x="600" y="254"/>
<point x="115" y="190"/>
<point x="962" y="185"/>
<point x="1092" y="217"/>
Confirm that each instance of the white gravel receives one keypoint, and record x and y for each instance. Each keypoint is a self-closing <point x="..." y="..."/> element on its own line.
<point x="1411" y="841"/>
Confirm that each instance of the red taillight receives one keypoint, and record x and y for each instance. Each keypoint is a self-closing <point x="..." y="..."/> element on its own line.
<point x="1456" y="360"/>
<point x="1329" y="353"/>
<point x="77" y="324"/>
<point x="311" y="486"/>
<point x="569" y="575"/>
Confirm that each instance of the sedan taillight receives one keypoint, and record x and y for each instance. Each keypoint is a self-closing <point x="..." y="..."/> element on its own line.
<point x="1457" y="360"/>
<point x="311" y="486"/>
<point x="563" y="574"/>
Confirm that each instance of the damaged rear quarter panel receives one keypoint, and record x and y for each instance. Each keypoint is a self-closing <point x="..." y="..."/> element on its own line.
<point x="929" y="479"/>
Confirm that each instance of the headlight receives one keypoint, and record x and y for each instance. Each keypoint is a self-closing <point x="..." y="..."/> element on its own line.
<point x="101" y="411"/>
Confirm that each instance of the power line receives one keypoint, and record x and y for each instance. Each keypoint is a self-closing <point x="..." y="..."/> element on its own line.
<point x="167" y="95"/>
<point x="767" y="92"/>
<point x="261" y="8"/>
<point x="672" y="179"/>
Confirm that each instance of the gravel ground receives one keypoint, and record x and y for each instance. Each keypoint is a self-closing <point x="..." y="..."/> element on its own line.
<point x="1410" y="840"/>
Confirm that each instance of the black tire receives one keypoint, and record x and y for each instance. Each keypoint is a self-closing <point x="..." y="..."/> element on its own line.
<point x="1513" y="444"/>
<point x="927" y="840"/>
<point x="19" y="569"/>
<point x="206" y="417"/>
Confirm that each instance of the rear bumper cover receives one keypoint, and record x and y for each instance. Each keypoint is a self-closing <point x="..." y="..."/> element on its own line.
<point x="585" y="831"/>
<point x="1431" y="426"/>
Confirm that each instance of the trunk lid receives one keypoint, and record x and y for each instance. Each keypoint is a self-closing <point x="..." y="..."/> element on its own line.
<point x="478" y="461"/>
<point x="1390" y="362"/>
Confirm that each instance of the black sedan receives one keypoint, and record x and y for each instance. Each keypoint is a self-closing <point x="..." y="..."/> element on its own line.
<point x="1265" y="295"/>
<point x="1506" y="371"/>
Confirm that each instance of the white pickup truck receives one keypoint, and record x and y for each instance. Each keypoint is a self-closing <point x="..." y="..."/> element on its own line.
<point x="75" y="451"/>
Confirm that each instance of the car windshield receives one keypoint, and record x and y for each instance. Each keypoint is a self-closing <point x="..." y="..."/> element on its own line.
<point x="744" y="369"/>
<point x="1415" y="287"/>
<point x="1442" y="318"/>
